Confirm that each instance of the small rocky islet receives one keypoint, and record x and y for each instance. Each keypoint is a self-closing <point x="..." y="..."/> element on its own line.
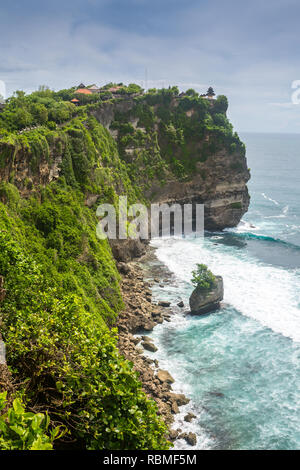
<point x="205" y="301"/>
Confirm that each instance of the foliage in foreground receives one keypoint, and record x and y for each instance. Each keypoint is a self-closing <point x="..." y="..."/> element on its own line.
<point x="21" y="430"/>
<point x="71" y="363"/>
<point x="63" y="295"/>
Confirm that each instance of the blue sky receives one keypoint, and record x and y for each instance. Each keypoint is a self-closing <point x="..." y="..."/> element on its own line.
<point x="248" y="51"/>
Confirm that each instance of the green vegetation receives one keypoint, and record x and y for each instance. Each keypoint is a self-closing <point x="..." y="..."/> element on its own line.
<point x="62" y="286"/>
<point x="21" y="430"/>
<point x="49" y="108"/>
<point x="36" y="109"/>
<point x="175" y="133"/>
<point x="62" y="293"/>
<point x="130" y="89"/>
<point x="236" y="205"/>
<point x="203" y="278"/>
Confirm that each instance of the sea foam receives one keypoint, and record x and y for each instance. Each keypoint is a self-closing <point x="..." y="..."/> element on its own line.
<point x="268" y="294"/>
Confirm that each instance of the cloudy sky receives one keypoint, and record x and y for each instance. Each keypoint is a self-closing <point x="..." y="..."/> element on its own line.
<point x="248" y="51"/>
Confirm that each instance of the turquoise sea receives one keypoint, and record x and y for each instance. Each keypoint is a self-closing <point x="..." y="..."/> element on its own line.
<point x="241" y="365"/>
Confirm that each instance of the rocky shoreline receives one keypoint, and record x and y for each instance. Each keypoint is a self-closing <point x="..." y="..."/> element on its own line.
<point x="140" y="316"/>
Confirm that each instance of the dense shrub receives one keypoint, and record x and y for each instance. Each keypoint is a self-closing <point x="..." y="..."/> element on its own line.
<point x="21" y="430"/>
<point x="59" y="347"/>
<point x="203" y="278"/>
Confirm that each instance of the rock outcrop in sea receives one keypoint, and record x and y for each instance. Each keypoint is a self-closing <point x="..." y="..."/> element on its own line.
<point x="204" y="301"/>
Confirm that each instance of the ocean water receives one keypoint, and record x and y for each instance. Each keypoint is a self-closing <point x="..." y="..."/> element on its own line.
<point x="241" y="365"/>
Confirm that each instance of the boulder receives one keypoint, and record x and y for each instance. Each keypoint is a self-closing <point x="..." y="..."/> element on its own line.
<point x="136" y="340"/>
<point x="164" y="376"/>
<point x="191" y="439"/>
<point x="173" y="434"/>
<point x="188" y="418"/>
<point x="149" y="325"/>
<point x="174" y="408"/>
<point x="180" y="304"/>
<point x="159" y="319"/>
<point x="204" y="301"/>
<point x="123" y="268"/>
<point x="149" y="346"/>
<point x="180" y="398"/>
<point x="164" y="303"/>
<point x="147" y="338"/>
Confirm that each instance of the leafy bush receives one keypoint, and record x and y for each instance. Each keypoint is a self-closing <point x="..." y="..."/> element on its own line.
<point x="221" y="104"/>
<point x="203" y="278"/>
<point x="21" y="430"/>
<point x="54" y="323"/>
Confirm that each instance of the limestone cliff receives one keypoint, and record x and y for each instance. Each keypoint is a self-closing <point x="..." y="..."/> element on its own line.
<point x="217" y="171"/>
<point x="175" y="149"/>
<point x="223" y="191"/>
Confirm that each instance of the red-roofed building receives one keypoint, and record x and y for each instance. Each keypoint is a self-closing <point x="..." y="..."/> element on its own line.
<point x="75" y="101"/>
<point x="83" y="91"/>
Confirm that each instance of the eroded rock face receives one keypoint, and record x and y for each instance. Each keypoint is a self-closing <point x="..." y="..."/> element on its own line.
<point x="223" y="190"/>
<point x="219" y="182"/>
<point x="25" y="177"/>
<point x="126" y="250"/>
<point x="206" y="301"/>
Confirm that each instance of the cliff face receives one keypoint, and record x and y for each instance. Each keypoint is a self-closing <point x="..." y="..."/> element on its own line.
<point x="174" y="149"/>
<point x="207" y="165"/>
<point x="217" y="184"/>
<point x="19" y="169"/>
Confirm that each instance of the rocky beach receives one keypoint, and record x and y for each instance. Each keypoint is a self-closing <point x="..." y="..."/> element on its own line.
<point x="138" y="318"/>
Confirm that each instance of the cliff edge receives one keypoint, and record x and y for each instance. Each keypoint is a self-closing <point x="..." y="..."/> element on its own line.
<point x="182" y="149"/>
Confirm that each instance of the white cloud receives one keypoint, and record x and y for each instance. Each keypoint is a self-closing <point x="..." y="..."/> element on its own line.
<point x="209" y="47"/>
